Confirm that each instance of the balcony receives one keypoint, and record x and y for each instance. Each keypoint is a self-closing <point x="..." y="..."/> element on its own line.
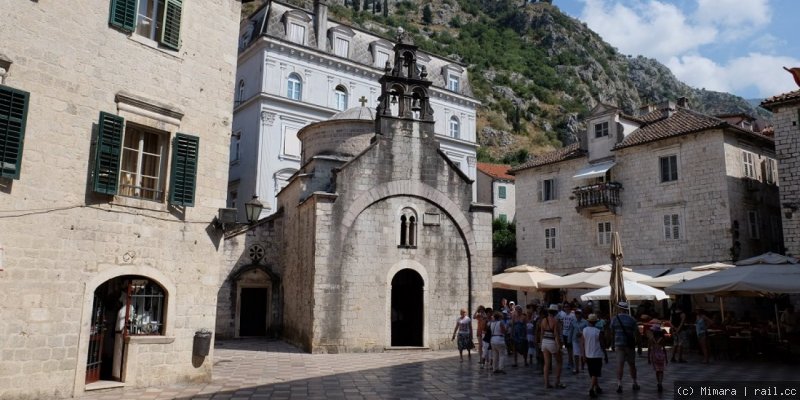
<point x="597" y="198"/>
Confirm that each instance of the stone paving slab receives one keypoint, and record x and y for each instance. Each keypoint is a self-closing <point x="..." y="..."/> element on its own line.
<point x="261" y="369"/>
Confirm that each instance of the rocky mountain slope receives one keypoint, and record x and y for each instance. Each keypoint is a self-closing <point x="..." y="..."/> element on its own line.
<point x="537" y="71"/>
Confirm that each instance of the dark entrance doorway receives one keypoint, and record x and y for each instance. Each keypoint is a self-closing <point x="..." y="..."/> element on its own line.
<point x="407" y="308"/>
<point x="253" y="311"/>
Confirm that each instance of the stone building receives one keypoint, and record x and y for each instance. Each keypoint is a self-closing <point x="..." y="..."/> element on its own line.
<point x="298" y="66"/>
<point x="375" y="242"/>
<point x="496" y="187"/>
<point x="114" y="138"/>
<point x="786" y="119"/>
<point x="682" y="188"/>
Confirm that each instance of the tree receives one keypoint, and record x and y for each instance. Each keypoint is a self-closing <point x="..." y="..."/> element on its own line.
<point x="427" y="15"/>
<point x="356" y="5"/>
<point x="504" y="238"/>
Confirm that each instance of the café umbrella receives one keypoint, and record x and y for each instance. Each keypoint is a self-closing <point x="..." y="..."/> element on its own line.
<point x="616" y="285"/>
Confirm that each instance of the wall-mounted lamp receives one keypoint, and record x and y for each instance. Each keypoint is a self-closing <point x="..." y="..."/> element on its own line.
<point x="253" y="209"/>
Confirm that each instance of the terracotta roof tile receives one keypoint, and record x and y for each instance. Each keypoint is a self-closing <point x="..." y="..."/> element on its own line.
<point x="681" y="122"/>
<point x="565" y="153"/>
<point x="496" y="171"/>
<point x="780" y="99"/>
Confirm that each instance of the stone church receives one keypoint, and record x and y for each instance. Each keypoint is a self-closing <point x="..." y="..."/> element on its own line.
<point x="375" y="242"/>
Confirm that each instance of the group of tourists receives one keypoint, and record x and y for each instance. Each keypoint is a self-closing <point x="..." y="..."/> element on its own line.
<point x="543" y="333"/>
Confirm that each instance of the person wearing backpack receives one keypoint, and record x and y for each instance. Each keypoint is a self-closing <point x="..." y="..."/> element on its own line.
<point x="626" y="332"/>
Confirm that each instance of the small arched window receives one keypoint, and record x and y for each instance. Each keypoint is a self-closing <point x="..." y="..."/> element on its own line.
<point x="294" y="87"/>
<point x="341" y="98"/>
<point x="240" y="92"/>
<point x="408" y="228"/>
<point x="455" y="128"/>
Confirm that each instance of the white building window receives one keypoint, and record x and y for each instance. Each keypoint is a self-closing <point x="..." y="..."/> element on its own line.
<point x="501" y="192"/>
<point x="672" y="227"/>
<point x="669" y="168"/>
<point x="143" y="163"/>
<point x="748" y="164"/>
<point x="550" y="238"/>
<point x="297" y="33"/>
<point x="453" y="82"/>
<point x="381" y="59"/>
<point x="341" y="47"/>
<point x="291" y="144"/>
<point x="455" y="128"/>
<point x="752" y="224"/>
<point x="282" y="178"/>
<point x="294" y="87"/>
<point x="340" y="97"/>
<point x="236" y="143"/>
<point x="547" y="190"/>
<point x="408" y="228"/>
<point x="601" y="129"/>
<point x="240" y="92"/>
<point x="604" y="233"/>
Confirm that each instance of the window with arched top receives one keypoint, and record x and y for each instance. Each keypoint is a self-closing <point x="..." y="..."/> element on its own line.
<point x="408" y="228"/>
<point x="455" y="127"/>
<point x="294" y="87"/>
<point x="340" y="98"/>
<point x="240" y="92"/>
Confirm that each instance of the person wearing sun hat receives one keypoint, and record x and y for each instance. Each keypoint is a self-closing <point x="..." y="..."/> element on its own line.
<point x="592" y="343"/>
<point x="626" y="332"/>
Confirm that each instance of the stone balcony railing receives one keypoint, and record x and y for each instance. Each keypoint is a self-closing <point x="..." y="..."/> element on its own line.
<point x="601" y="196"/>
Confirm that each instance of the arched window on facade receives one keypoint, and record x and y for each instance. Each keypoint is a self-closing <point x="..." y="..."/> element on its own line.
<point x="341" y="98"/>
<point x="240" y="92"/>
<point x="455" y="128"/>
<point x="294" y="87"/>
<point x="408" y="228"/>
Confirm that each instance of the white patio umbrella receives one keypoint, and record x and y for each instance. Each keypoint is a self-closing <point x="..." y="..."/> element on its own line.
<point x="768" y="258"/>
<point x="762" y="279"/>
<point x="633" y="291"/>
<point x="590" y="278"/>
<point x="683" y="275"/>
<point x="522" y="277"/>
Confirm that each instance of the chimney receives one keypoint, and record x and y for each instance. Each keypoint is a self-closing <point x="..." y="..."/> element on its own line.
<point x="667" y="108"/>
<point x="321" y="23"/>
<point x="683" y="102"/>
<point x="646" y="109"/>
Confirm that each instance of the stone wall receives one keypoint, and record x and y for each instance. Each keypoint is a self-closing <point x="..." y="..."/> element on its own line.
<point x="61" y="241"/>
<point x="786" y="120"/>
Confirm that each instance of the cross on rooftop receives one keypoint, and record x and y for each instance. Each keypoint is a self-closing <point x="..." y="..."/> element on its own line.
<point x="363" y="101"/>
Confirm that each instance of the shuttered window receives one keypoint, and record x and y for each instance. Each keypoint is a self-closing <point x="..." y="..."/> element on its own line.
<point x="107" y="153"/>
<point x="171" y="25"/>
<point x="158" y="20"/>
<point x="13" y="114"/>
<point x="123" y="14"/>
<point x="183" y="178"/>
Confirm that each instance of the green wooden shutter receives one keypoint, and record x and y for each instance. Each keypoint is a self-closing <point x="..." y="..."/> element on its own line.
<point x="183" y="177"/>
<point x="107" y="153"/>
<point x="13" y="114"/>
<point x="171" y="24"/>
<point x="123" y="15"/>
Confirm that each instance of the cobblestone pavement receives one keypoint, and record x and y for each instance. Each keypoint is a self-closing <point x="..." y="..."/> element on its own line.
<point x="261" y="369"/>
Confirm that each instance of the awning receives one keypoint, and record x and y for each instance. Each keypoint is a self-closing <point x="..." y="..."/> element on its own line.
<point x="594" y="170"/>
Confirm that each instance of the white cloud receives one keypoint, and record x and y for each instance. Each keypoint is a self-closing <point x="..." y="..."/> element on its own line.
<point x="653" y="28"/>
<point x="734" y="18"/>
<point x="755" y="72"/>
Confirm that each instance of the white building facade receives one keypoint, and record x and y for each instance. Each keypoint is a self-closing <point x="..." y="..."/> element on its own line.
<point x="682" y="189"/>
<point x="297" y="67"/>
<point x="496" y="187"/>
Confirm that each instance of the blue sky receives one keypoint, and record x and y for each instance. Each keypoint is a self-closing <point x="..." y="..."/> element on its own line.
<point x="736" y="46"/>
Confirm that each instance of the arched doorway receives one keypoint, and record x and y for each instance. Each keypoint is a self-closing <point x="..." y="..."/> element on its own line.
<point x="129" y="305"/>
<point x="407" y="310"/>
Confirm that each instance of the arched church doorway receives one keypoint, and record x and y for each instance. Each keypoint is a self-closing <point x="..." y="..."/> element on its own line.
<point x="253" y="288"/>
<point x="123" y="306"/>
<point x="407" y="308"/>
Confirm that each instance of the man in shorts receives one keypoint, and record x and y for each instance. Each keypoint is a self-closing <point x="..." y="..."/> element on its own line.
<point x="680" y="334"/>
<point x="594" y="350"/>
<point x="626" y="334"/>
